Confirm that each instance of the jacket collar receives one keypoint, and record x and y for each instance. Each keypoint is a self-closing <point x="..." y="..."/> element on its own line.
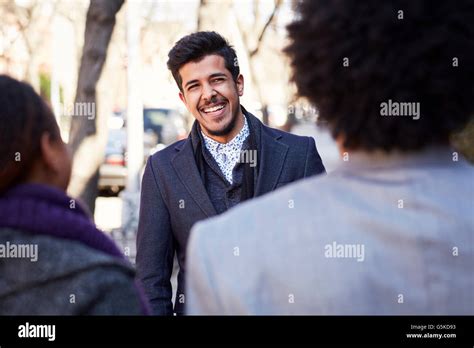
<point x="271" y="156"/>
<point x="187" y="171"/>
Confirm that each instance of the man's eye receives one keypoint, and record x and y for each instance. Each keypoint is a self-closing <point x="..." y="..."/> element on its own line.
<point x="191" y="87"/>
<point x="218" y="79"/>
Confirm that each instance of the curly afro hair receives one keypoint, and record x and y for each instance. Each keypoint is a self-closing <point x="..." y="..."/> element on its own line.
<point x="404" y="51"/>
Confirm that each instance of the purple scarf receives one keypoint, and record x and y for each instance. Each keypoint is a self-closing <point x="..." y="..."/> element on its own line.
<point x="45" y="210"/>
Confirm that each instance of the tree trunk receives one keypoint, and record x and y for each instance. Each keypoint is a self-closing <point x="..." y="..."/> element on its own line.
<point x="84" y="139"/>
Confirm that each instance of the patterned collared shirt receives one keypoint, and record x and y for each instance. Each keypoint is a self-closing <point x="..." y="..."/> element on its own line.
<point x="227" y="155"/>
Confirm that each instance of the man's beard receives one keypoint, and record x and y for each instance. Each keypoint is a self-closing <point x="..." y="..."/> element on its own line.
<point x="227" y="129"/>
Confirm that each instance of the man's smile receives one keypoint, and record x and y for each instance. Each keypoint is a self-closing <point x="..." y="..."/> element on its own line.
<point x="214" y="110"/>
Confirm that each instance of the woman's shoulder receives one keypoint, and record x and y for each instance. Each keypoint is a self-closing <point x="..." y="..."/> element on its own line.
<point x="67" y="271"/>
<point x="52" y="253"/>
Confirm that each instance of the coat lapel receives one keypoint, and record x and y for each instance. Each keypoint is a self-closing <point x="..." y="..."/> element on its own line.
<point x="185" y="166"/>
<point x="273" y="154"/>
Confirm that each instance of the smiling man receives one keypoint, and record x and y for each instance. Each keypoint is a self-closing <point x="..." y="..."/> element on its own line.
<point x="209" y="172"/>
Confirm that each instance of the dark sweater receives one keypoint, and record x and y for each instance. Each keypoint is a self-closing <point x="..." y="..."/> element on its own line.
<point x="222" y="194"/>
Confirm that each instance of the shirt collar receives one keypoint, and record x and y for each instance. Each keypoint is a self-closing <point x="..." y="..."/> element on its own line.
<point x="236" y="143"/>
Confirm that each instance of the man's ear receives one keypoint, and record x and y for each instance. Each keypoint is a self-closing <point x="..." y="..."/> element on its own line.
<point x="50" y="152"/>
<point x="240" y="85"/>
<point x="181" y="96"/>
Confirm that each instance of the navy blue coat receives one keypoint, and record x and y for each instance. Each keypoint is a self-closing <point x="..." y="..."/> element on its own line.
<point x="173" y="199"/>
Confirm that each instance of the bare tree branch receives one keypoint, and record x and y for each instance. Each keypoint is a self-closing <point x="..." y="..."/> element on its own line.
<point x="265" y="27"/>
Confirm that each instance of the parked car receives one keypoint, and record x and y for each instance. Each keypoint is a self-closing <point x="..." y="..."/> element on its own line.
<point x="113" y="172"/>
<point x="161" y="126"/>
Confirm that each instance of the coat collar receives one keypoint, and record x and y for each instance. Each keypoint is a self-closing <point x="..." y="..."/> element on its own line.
<point x="271" y="156"/>
<point x="187" y="171"/>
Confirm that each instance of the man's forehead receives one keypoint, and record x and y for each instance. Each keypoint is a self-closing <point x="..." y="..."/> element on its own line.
<point x="203" y="68"/>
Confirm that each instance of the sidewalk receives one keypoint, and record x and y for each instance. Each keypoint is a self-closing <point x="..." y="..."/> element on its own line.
<point x="108" y="218"/>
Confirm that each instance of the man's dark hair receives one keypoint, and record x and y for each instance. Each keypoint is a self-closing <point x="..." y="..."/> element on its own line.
<point x="194" y="47"/>
<point x="24" y="117"/>
<point x="404" y="51"/>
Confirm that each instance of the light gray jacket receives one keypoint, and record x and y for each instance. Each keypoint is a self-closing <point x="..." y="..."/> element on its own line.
<point x="380" y="235"/>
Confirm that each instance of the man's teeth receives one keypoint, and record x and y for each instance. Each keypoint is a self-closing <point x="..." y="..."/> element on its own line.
<point x="215" y="108"/>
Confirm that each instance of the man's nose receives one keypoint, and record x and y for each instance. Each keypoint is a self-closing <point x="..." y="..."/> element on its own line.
<point x="208" y="93"/>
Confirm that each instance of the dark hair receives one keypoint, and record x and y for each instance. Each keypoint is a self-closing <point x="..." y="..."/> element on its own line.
<point x="406" y="56"/>
<point x="194" y="47"/>
<point x="24" y="117"/>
